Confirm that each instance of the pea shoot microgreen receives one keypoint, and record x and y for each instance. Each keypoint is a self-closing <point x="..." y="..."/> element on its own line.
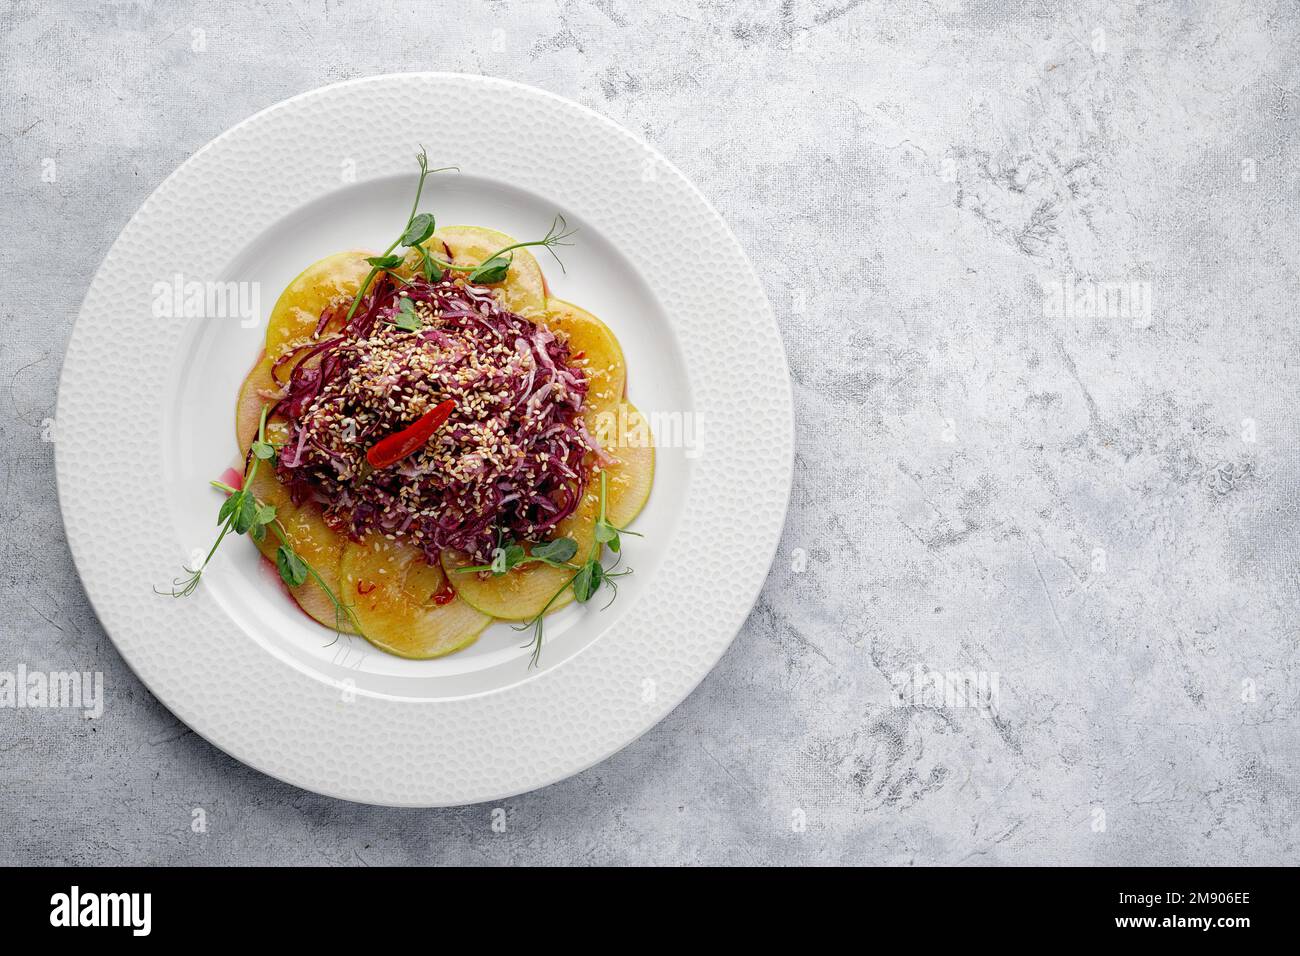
<point x="293" y="569"/>
<point x="555" y="554"/>
<point x="406" y="318"/>
<point x="419" y="227"/>
<point x="243" y="513"/>
<point x="431" y="270"/>
<point x="589" y="577"/>
<point x="496" y="266"/>
<point x="606" y="532"/>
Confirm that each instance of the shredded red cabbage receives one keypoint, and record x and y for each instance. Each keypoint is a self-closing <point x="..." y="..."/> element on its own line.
<point x="508" y="463"/>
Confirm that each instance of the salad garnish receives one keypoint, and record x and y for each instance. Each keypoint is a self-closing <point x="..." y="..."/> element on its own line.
<point x="421" y="225"/>
<point x="588" y="578"/>
<point x="555" y="554"/>
<point x="399" y="445"/>
<point x="243" y="513"/>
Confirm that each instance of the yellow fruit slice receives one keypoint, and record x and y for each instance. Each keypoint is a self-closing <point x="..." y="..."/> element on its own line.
<point x="522" y="593"/>
<point x="248" y="409"/>
<point x="293" y="319"/>
<point x="328" y="281"/>
<point x="625" y="434"/>
<point x="601" y="355"/>
<point x="314" y="542"/>
<point x="522" y="291"/>
<point x="392" y="589"/>
<point x="308" y="534"/>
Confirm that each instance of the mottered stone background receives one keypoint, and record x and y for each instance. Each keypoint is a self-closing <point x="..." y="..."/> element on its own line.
<point x="1095" y="511"/>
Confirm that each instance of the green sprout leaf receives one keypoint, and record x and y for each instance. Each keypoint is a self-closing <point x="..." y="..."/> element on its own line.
<point x="263" y="450"/>
<point x="432" y="272"/>
<point x="511" y="556"/>
<point x="407" y="318"/>
<point x="585" y="581"/>
<point x="391" y="261"/>
<point x="556" y="553"/>
<point x="245" y="513"/>
<point x="494" y="270"/>
<point x="228" y="507"/>
<point x="418" y="229"/>
<point x="607" y="534"/>
<point x="293" y="570"/>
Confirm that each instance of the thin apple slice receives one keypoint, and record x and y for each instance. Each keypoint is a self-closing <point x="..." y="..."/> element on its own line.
<point x="602" y="357"/>
<point x="308" y="534"/>
<point x="248" y="410"/>
<point x="322" y="548"/>
<point x="522" y="291"/>
<point x="522" y="593"/>
<point x="314" y="542"/>
<point x="393" y="589"/>
<point x="625" y="434"/>
<point x="325" y="282"/>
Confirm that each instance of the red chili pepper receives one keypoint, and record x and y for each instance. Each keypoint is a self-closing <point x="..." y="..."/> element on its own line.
<point x="445" y="596"/>
<point x="390" y="450"/>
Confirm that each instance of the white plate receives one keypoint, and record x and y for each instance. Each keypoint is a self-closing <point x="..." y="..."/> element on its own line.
<point x="145" y="418"/>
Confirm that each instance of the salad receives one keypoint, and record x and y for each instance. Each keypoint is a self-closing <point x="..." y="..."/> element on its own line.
<point x="431" y="441"/>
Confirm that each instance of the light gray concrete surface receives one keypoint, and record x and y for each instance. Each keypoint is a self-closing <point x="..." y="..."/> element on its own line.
<point x="1095" y="513"/>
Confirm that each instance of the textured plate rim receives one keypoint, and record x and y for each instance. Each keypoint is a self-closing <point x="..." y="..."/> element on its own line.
<point x="294" y="728"/>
